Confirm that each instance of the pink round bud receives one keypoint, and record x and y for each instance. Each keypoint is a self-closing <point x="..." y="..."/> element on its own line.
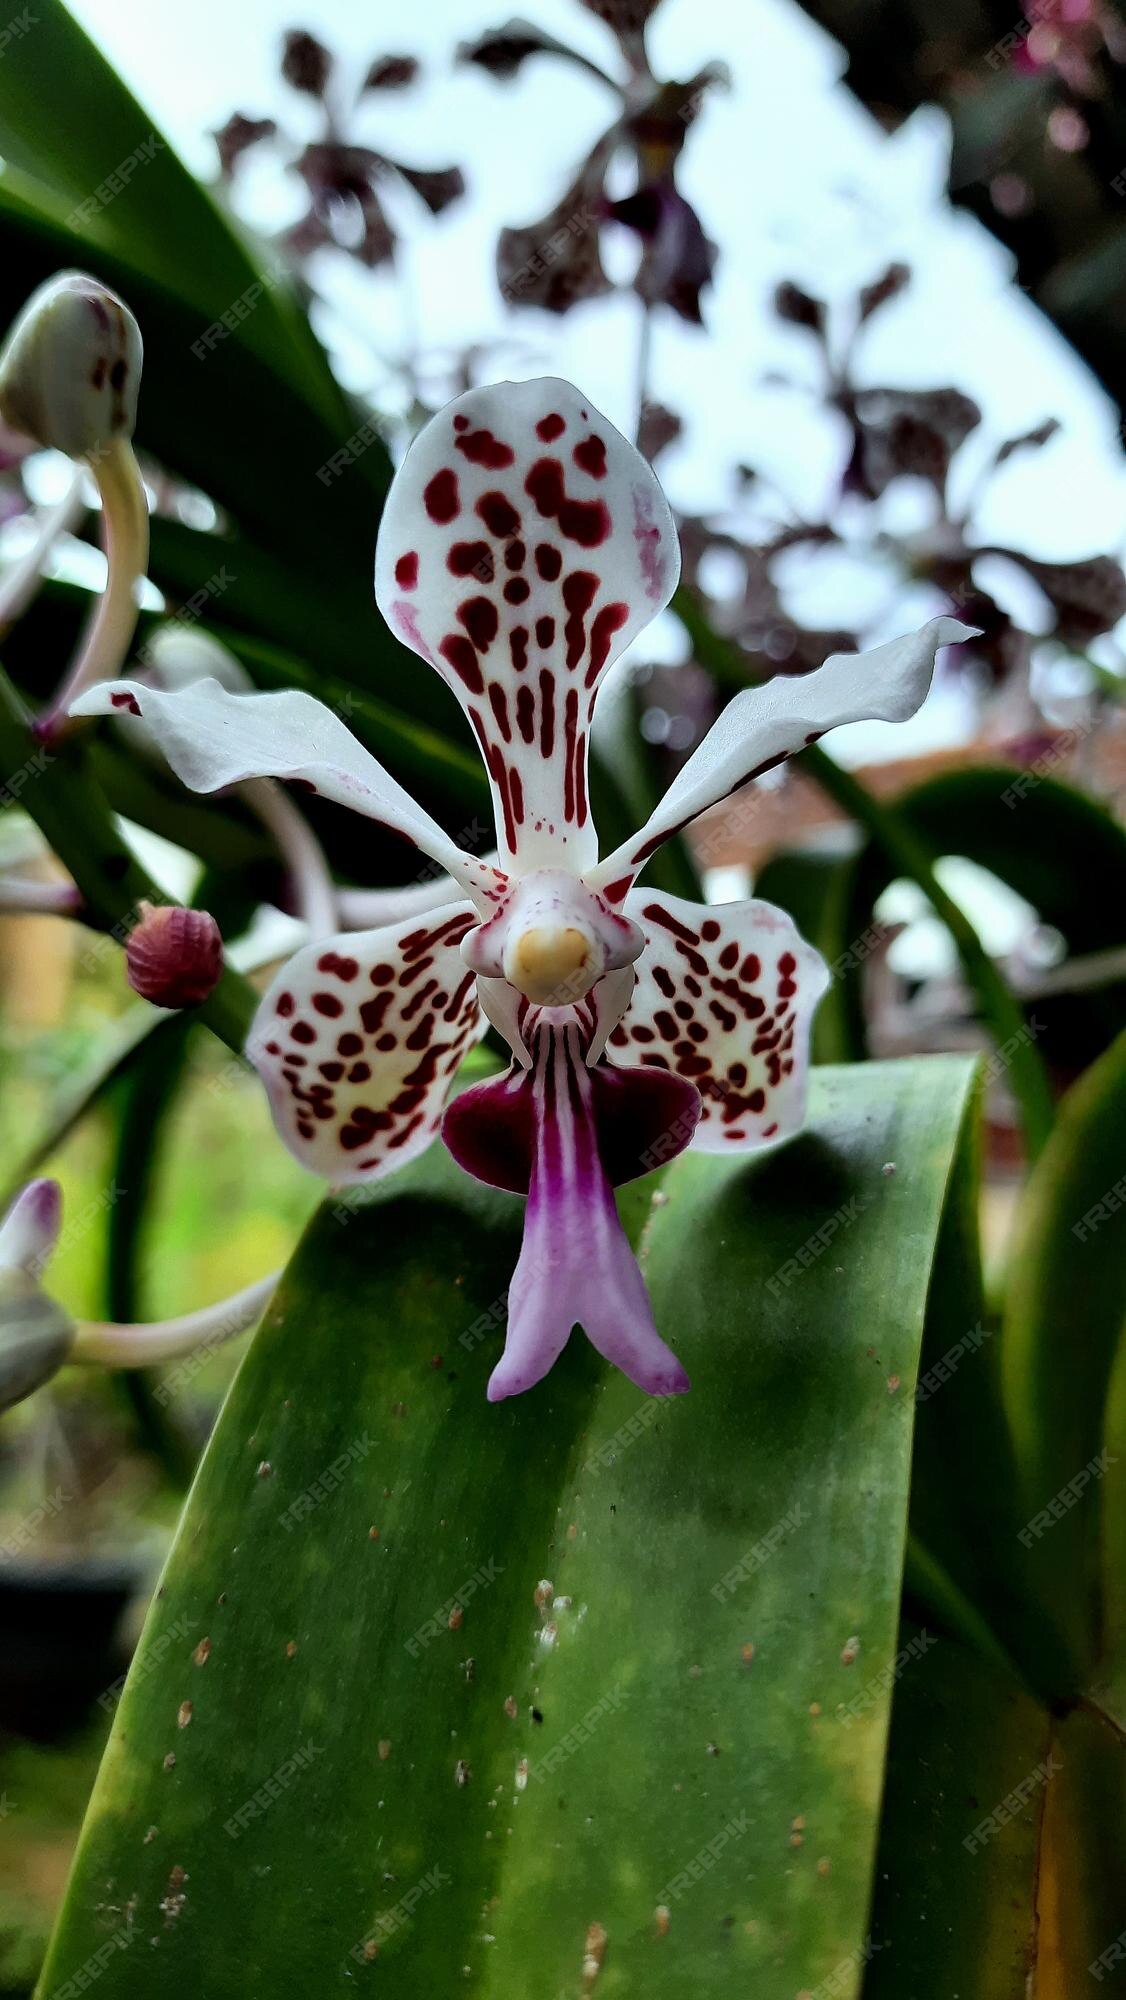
<point x="174" y="957"/>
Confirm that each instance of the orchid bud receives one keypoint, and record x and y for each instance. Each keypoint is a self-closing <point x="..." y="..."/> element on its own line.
<point x="36" y="1337"/>
<point x="35" y="1334"/>
<point x="174" y="957"/>
<point x="30" y="1229"/>
<point x="71" y="367"/>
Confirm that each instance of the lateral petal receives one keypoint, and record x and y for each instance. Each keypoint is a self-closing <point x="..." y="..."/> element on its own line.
<point x="725" y="998"/>
<point x="357" y="1041"/>
<point x="213" y="738"/>
<point x="764" y="725"/>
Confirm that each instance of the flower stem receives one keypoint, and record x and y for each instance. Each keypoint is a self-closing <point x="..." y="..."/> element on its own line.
<point x="139" y="1345"/>
<point x="313" y="887"/>
<point x="20" y="897"/>
<point x="25" y="576"/>
<point x="125" y="534"/>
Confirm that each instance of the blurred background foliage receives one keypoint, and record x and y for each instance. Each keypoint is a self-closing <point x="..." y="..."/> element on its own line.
<point x="968" y="889"/>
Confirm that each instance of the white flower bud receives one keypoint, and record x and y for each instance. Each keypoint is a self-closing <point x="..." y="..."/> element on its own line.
<point x="36" y="1337"/>
<point x="71" y="367"/>
<point x="35" y="1334"/>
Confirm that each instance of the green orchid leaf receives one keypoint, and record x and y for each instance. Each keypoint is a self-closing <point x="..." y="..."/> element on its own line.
<point x="435" y="1691"/>
<point x="71" y="127"/>
<point x="1017" y="824"/>
<point x="996" y="1876"/>
<point x="814" y="888"/>
<point x="1062" y="1337"/>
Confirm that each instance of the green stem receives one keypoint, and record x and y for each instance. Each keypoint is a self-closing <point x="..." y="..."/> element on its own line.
<point x="55" y="786"/>
<point x="912" y="858"/>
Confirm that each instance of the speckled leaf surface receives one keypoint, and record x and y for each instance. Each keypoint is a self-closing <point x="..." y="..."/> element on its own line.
<point x="576" y="1693"/>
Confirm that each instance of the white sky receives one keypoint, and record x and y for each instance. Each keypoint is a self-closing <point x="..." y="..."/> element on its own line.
<point x="791" y="178"/>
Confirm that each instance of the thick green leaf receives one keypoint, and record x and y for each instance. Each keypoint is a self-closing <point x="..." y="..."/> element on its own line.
<point x="813" y="887"/>
<point x="1002" y="1825"/>
<point x="70" y="124"/>
<point x="386" y="1595"/>
<point x="1064" y="1317"/>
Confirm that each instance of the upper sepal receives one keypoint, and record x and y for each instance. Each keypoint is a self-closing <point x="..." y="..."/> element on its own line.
<point x="524" y="543"/>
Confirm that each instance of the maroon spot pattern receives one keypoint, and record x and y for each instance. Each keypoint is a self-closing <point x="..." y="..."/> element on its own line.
<point x="524" y="600"/>
<point x="722" y="1015"/>
<point x="441" y="497"/>
<point x="409" y="1017"/>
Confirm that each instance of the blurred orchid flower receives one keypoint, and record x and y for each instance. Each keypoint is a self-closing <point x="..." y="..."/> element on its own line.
<point x="343" y="177"/>
<point x="556" y="261"/>
<point x="523" y="546"/>
<point x="35" y="1334"/>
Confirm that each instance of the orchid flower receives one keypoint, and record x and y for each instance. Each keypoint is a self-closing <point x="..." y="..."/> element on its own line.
<point x="524" y="544"/>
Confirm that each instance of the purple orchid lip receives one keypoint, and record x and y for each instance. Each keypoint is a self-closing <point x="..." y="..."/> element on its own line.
<point x="576" y="1266"/>
<point x="641" y="1119"/>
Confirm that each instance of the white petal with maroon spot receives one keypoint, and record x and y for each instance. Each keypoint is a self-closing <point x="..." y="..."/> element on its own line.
<point x="764" y="725"/>
<point x="523" y="545"/>
<point x="725" y="996"/>
<point x="357" y="1041"/>
<point x="212" y="739"/>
